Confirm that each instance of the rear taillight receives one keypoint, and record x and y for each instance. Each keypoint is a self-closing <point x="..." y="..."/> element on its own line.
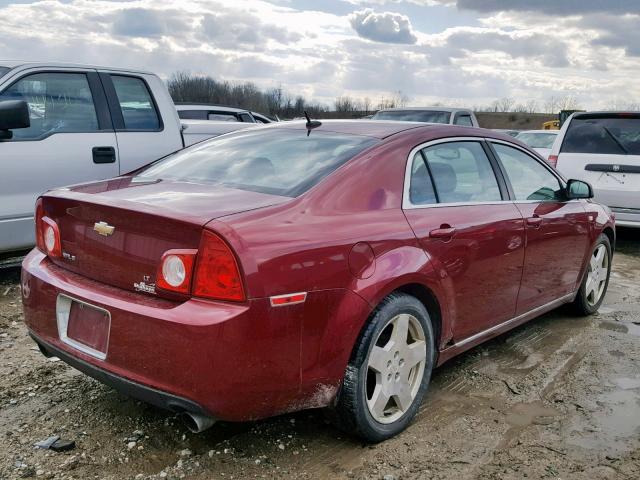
<point x="39" y="215"/>
<point x="217" y="274"/>
<point x="553" y="160"/>
<point x="51" y="237"/>
<point x="176" y="271"/>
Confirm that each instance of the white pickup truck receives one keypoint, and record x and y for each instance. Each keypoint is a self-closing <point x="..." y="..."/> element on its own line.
<point x="83" y="123"/>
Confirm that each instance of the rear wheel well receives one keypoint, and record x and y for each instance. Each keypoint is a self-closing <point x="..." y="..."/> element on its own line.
<point x="608" y="231"/>
<point x="428" y="299"/>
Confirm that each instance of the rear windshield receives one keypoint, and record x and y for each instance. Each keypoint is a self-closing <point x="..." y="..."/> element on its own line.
<point x="537" y="140"/>
<point x="429" y="116"/>
<point x="3" y="70"/>
<point x="614" y="135"/>
<point x="283" y="162"/>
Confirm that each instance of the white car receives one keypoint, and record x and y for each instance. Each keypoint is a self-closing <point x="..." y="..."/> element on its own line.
<point x="539" y="140"/>
<point x="603" y="149"/>
<point x="219" y="113"/>
<point x="452" y="116"/>
<point x="62" y="124"/>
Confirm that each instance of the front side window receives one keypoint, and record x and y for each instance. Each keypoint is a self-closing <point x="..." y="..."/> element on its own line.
<point x="428" y="116"/>
<point x="281" y="162"/>
<point x="3" y="70"/>
<point x="529" y="179"/>
<point x="58" y="103"/>
<point x="138" y="110"/>
<point x="462" y="172"/>
<point x="611" y="135"/>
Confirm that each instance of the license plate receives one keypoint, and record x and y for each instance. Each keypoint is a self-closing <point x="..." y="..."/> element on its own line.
<point x="83" y="326"/>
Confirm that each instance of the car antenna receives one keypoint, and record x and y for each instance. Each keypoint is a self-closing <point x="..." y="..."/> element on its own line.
<point x="311" y="124"/>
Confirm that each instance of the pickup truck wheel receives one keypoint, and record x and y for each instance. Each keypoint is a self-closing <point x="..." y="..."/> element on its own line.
<point x="389" y="372"/>
<point x="596" y="280"/>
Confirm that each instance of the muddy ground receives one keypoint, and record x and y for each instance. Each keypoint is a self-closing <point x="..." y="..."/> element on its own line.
<point x="556" y="398"/>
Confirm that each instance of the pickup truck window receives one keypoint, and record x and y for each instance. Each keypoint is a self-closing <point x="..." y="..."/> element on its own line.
<point x="464" y="119"/>
<point x="222" y="117"/>
<point x="193" y="114"/>
<point x="138" y="109"/>
<point x="58" y="103"/>
<point x="429" y="116"/>
<point x="280" y="162"/>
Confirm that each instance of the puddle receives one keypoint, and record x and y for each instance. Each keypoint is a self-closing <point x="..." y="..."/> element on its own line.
<point x="632" y="328"/>
<point x="525" y="414"/>
<point x="618" y="424"/>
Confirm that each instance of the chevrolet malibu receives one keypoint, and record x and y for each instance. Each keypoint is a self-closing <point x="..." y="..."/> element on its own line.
<point x="307" y="265"/>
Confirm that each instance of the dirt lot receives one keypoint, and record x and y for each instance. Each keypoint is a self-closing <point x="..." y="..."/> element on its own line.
<point x="556" y="398"/>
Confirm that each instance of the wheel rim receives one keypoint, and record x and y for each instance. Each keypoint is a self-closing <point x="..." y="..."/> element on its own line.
<point x="395" y="368"/>
<point x="597" y="275"/>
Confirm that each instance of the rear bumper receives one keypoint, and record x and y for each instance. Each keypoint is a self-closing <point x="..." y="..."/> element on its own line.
<point x="229" y="361"/>
<point x="147" y="394"/>
<point x="627" y="217"/>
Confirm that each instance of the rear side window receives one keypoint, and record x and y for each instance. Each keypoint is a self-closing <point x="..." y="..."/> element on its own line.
<point x="136" y="103"/>
<point x="421" y="191"/>
<point x="222" y="117"/>
<point x="192" y="114"/>
<point x="277" y="161"/>
<point x="428" y="116"/>
<point x="537" y="139"/>
<point x="245" y="117"/>
<point x="614" y="135"/>
<point x="461" y="172"/>
<point x="464" y="120"/>
<point x="58" y="103"/>
<point x="529" y="179"/>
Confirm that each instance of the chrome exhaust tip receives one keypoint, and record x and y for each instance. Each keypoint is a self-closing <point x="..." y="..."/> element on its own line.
<point x="195" y="422"/>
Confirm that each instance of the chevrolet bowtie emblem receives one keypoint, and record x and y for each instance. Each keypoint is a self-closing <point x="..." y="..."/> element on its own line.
<point x="103" y="228"/>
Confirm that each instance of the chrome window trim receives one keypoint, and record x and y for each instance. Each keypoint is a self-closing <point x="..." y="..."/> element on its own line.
<point x="406" y="199"/>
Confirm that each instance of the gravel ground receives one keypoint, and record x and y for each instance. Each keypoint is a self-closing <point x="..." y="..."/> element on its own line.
<point x="556" y="398"/>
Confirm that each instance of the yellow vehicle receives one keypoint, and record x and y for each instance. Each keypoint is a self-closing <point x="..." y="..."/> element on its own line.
<point x="551" y="125"/>
<point x="562" y="117"/>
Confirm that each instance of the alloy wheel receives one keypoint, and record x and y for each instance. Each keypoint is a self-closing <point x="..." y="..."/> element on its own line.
<point x="395" y="368"/>
<point x="597" y="275"/>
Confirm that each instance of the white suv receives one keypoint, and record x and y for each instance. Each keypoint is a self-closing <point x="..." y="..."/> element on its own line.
<point x="603" y="148"/>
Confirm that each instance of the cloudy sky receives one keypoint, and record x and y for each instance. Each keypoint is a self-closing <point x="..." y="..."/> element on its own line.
<point x="459" y="52"/>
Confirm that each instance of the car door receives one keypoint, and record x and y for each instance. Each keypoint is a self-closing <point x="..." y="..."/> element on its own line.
<point x="457" y="204"/>
<point x="557" y="238"/>
<point x="70" y="140"/>
<point x="138" y="118"/>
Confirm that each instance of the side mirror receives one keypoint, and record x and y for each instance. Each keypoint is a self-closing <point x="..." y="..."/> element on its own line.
<point x="578" y="189"/>
<point x="13" y="114"/>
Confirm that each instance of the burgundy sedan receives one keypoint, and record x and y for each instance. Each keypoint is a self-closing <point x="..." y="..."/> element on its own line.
<point x="306" y="265"/>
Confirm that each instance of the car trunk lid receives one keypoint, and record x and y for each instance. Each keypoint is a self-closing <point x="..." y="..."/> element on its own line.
<point x="116" y="231"/>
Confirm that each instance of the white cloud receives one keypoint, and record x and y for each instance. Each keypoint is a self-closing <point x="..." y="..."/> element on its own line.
<point x="385" y="27"/>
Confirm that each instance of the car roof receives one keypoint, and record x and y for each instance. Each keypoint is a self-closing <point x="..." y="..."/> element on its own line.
<point x="551" y="132"/>
<point x="382" y="129"/>
<point x="203" y="106"/>
<point x="19" y="63"/>
<point x="439" y="109"/>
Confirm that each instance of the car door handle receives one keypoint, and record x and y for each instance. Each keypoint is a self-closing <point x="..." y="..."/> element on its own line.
<point x="534" y="221"/>
<point x="104" y="154"/>
<point x="445" y="232"/>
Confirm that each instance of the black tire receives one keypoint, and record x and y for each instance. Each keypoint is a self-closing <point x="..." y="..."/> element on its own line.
<point x="351" y="412"/>
<point x="581" y="306"/>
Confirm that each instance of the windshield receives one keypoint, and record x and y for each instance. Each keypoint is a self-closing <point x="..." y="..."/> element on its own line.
<point x="428" y="116"/>
<point x="276" y="161"/>
<point x="537" y="140"/>
<point x="613" y="135"/>
<point x="3" y="70"/>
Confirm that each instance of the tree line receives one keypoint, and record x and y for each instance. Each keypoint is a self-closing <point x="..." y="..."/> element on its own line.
<point x="188" y="88"/>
